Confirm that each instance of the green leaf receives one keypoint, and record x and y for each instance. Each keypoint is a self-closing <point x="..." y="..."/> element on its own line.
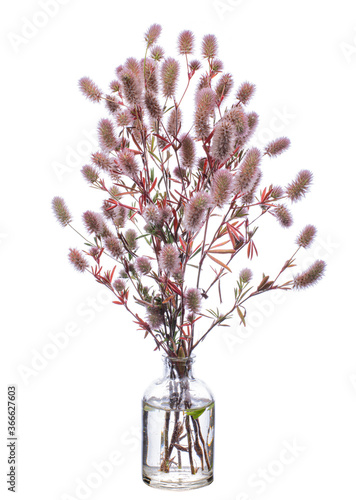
<point x="240" y="313"/>
<point x="142" y="236"/>
<point x="196" y="413"/>
<point x="195" y="253"/>
<point x="147" y="408"/>
<point x="155" y="156"/>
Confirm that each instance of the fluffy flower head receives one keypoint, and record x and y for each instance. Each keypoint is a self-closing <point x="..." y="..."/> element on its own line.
<point x="245" y="92"/>
<point x="152" y="34"/>
<point x="192" y="298"/>
<point x="277" y="146"/>
<point x="169" y="76"/>
<point x="107" y="138"/>
<point x="77" y="259"/>
<point x="300" y="186"/>
<point x="221" y="187"/>
<point x="311" y="276"/>
<point x="283" y="215"/>
<point x="306" y="237"/>
<point x="61" y="211"/>
<point x="185" y="42"/>
<point x="169" y="258"/>
<point x="195" y="210"/>
<point x="90" y="89"/>
<point x="209" y="46"/>
<point x="128" y="163"/>
<point x="245" y="275"/>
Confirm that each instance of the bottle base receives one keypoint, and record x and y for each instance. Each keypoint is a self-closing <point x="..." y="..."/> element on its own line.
<point x="181" y="479"/>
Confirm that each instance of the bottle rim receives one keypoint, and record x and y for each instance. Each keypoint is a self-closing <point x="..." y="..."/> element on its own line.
<point x="192" y="357"/>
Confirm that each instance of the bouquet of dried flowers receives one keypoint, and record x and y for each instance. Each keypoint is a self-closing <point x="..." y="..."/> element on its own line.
<point x="180" y="195"/>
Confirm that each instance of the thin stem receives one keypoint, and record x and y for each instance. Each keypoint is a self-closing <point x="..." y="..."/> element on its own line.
<point x="203" y="247"/>
<point x="190" y="447"/>
<point x="214" y="324"/>
<point x="204" y="445"/>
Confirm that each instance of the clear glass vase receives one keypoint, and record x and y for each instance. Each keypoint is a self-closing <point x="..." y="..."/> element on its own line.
<point x="178" y="429"/>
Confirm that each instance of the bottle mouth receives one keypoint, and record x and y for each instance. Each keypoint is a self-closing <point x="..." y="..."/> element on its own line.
<point x="175" y="359"/>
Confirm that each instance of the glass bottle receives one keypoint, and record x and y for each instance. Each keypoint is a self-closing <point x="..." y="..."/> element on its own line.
<point x="178" y="429"/>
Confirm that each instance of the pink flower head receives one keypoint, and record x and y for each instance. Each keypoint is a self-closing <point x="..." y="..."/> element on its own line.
<point x="187" y="151"/>
<point x="221" y="187"/>
<point x="186" y="42"/>
<point x="205" y="104"/>
<point x="131" y="239"/>
<point x="157" y="53"/>
<point x="150" y="71"/>
<point x="132" y="86"/>
<point x="245" y="92"/>
<point x="252" y="121"/>
<point x="195" y="65"/>
<point x="174" y="122"/>
<point x="209" y="46"/>
<point x="306" y="237"/>
<point x="128" y="163"/>
<point x="155" y="317"/>
<point x="102" y="161"/>
<point x="61" y="211"/>
<point x="89" y="89"/>
<point x="239" y="119"/>
<point x="195" y="211"/>
<point x="112" y="103"/>
<point x="119" y="285"/>
<point x="192" y="299"/>
<point x="120" y="216"/>
<point x="152" y="34"/>
<point x="248" y="171"/>
<point x="143" y="265"/>
<point x="77" y="259"/>
<point x="223" y="141"/>
<point x="107" y="137"/>
<point x="124" y="118"/>
<point x="300" y="186"/>
<point x="114" y="246"/>
<point x="90" y="174"/>
<point x="224" y="86"/>
<point x="169" y="76"/>
<point x="283" y="215"/>
<point x="169" y="258"/>
<point x="277" y="147"/>
<point x="93" y="222"/>
<point x="245" y="275"/>
<point x="217" y="65"/>
<point x="311" y="276"/>
<point x="277" y="192"/>
<point x="153" y="105"/>
<point x="151" y="214"/>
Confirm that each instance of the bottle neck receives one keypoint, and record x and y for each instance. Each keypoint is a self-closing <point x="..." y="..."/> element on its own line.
<point x="175" y="368"/>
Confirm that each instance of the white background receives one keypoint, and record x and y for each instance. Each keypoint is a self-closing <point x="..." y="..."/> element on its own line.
<point x="291" y="376"/>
